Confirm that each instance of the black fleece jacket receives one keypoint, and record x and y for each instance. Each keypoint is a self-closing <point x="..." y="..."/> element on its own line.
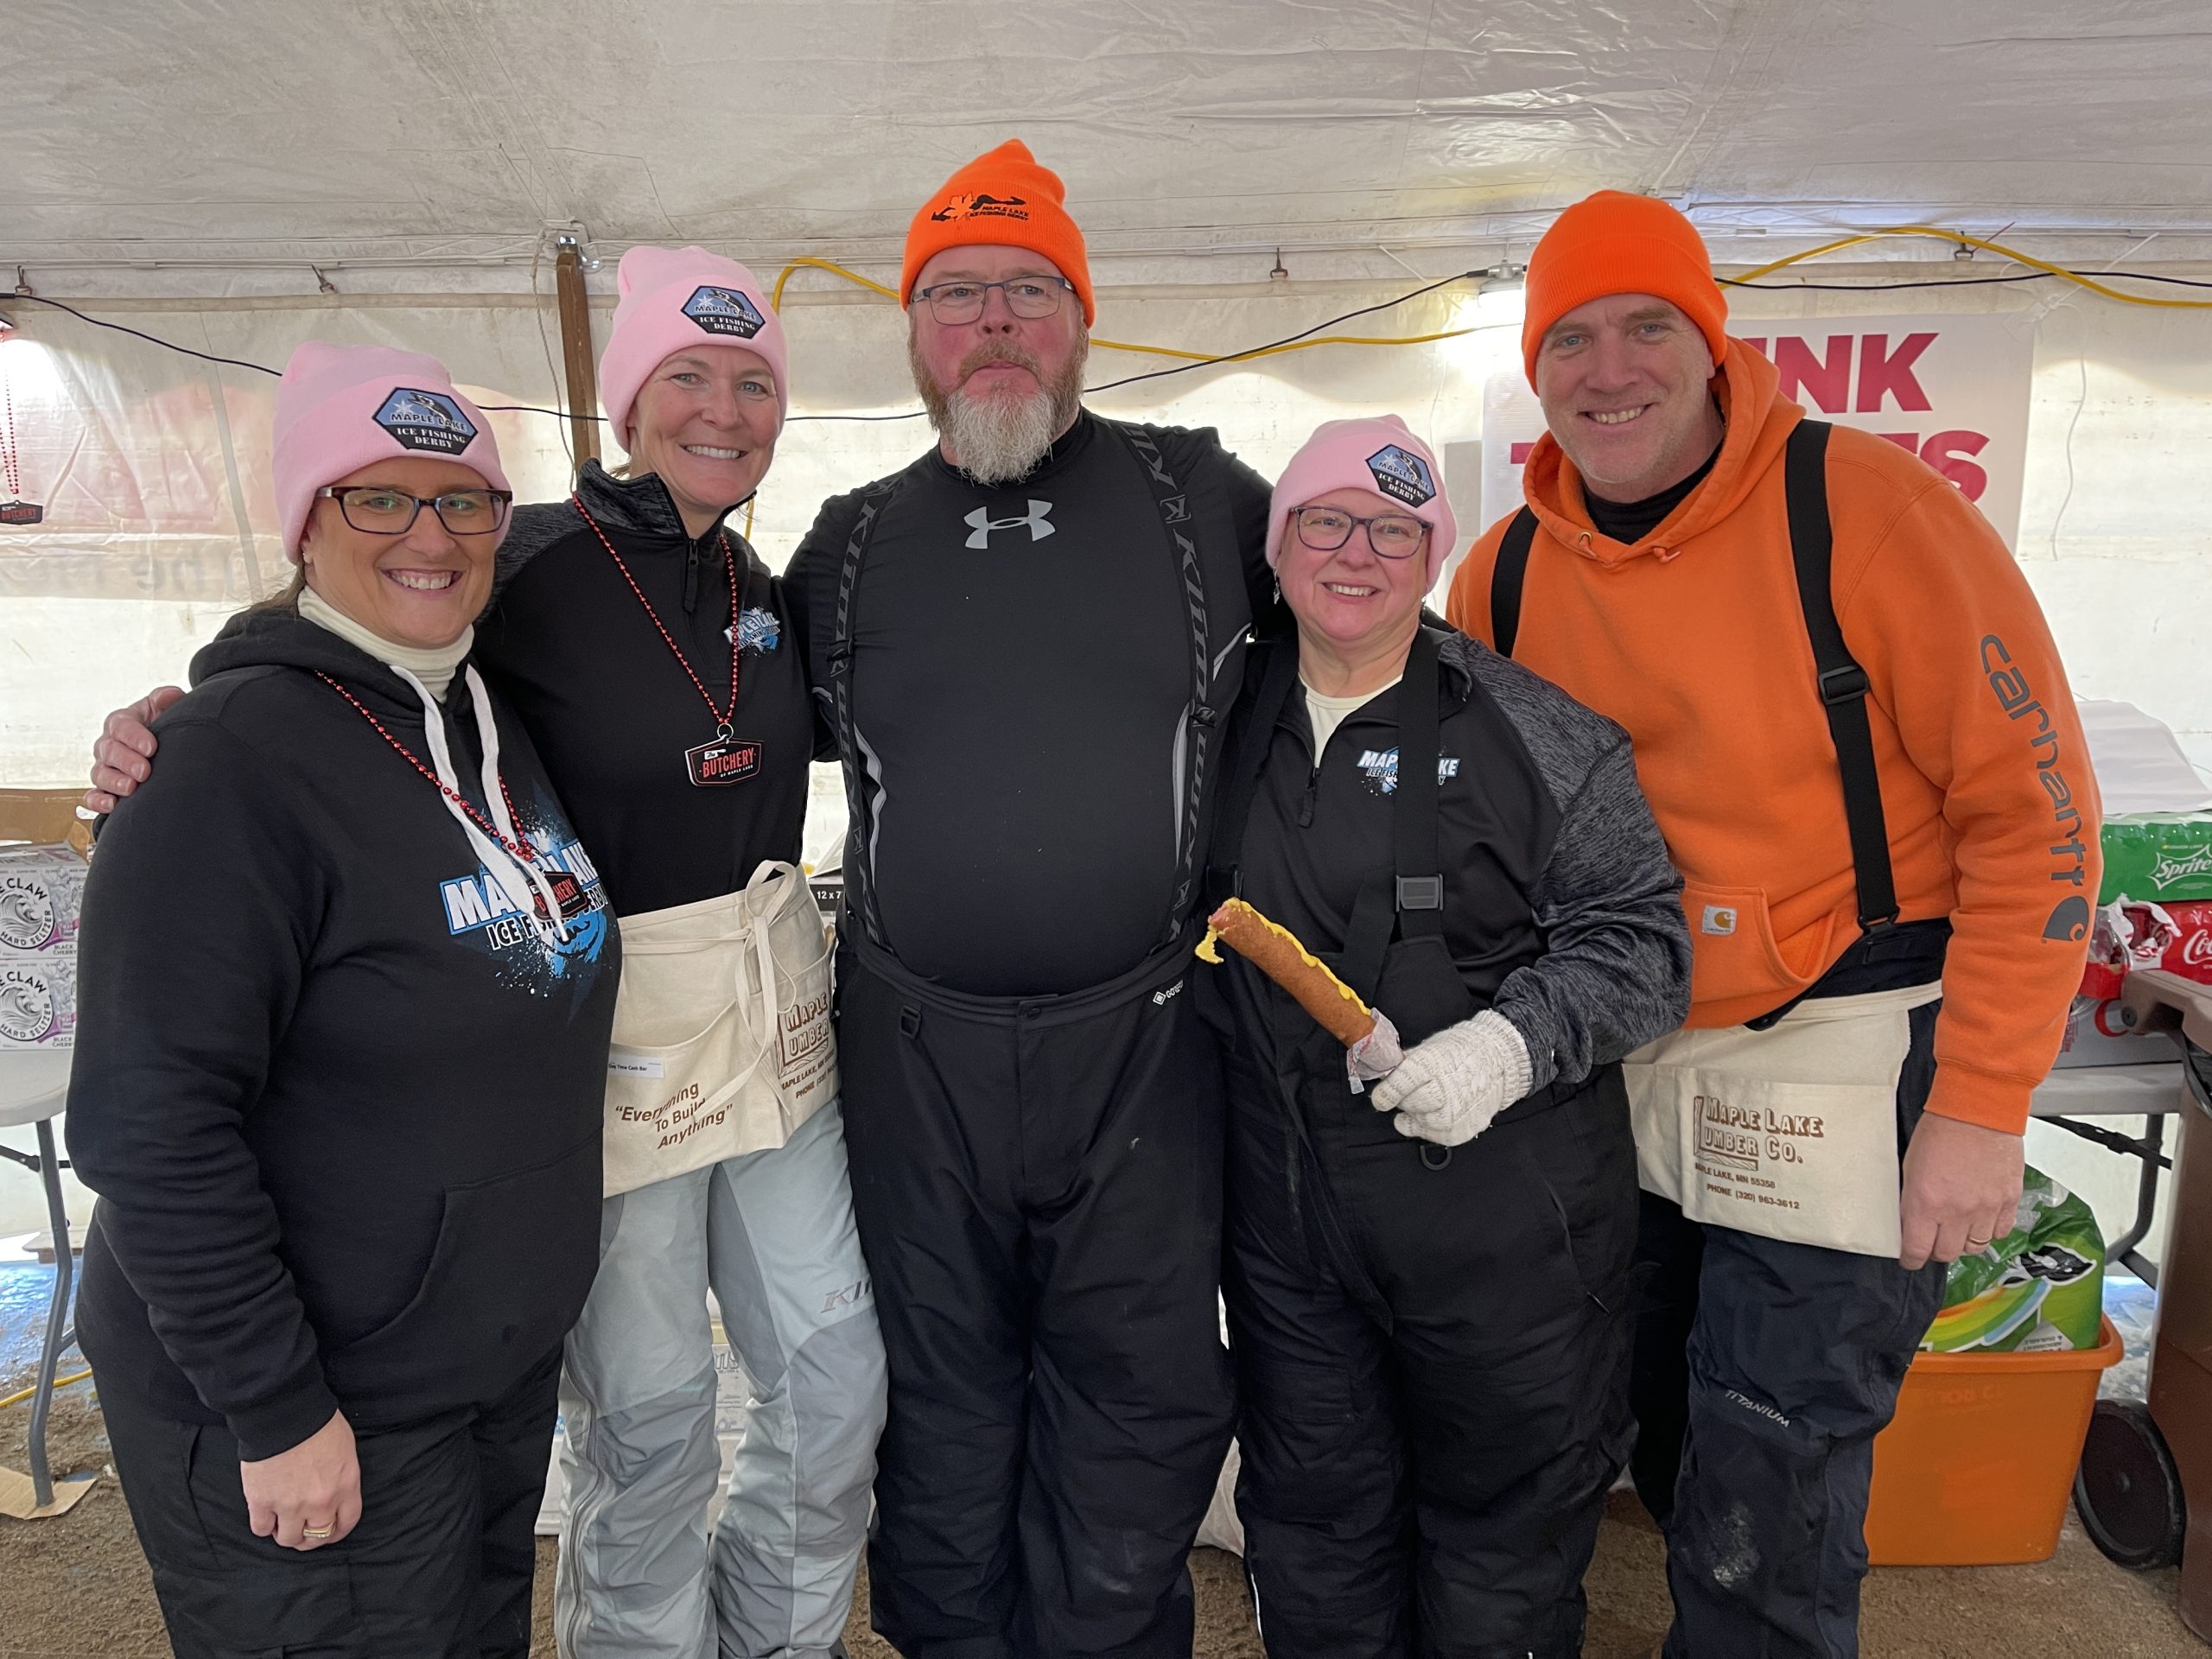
<point x="341" y="1101"/>
<point x="612" y="710"/>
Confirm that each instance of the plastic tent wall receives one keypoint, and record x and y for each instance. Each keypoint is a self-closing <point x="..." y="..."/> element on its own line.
<point x="186" y="171"/>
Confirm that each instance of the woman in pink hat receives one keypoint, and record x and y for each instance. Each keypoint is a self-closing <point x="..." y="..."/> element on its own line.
<point x="647" y="650"/>
<point x="346" y="1150"/>
<point x="1429" y="1235"/>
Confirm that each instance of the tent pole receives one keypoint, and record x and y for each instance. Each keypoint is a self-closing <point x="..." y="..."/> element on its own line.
<point x="577" y="353"/>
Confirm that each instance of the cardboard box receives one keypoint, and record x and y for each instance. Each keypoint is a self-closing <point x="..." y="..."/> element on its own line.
<point x="41" y="896"/>
<point x="38" y="999"/>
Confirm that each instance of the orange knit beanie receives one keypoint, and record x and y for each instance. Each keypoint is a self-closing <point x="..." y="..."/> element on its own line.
<point x="1003" y="198"/>
<point x="1614" y="243"/>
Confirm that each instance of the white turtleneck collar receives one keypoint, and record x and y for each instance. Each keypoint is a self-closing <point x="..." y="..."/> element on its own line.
<point x="435" y="668"/>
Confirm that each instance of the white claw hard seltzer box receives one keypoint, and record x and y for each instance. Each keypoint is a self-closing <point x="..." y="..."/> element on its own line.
<point x="41" y="896"/>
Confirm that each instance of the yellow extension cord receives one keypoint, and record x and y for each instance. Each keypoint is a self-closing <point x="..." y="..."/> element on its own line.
<point x="1958" y="237"/>
<point x="21" y="1394"/>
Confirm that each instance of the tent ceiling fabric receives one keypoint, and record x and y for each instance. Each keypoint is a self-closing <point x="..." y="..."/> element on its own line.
<point x="420" y="132"/>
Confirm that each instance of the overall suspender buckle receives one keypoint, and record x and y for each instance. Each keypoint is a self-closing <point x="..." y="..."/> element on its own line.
<point x="1420" y="892"/>
<point x="1843" y="684"/>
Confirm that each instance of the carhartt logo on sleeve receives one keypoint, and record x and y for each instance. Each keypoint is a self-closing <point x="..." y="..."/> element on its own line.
<point x="2069" y="921"/>
<point x="1719" y="918"/>
<point x="724" y="311"/>
<point x="426" y="420"/>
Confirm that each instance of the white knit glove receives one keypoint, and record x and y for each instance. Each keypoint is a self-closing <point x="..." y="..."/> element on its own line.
<point x="1448" y="1088"/>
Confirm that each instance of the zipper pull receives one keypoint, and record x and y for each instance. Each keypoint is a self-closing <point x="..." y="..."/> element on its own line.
<point x="1306" y="801"/>
<point x="691" y="578"/>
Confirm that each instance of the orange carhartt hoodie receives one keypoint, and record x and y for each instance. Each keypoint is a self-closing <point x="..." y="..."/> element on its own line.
<point x="1694" y="639"/>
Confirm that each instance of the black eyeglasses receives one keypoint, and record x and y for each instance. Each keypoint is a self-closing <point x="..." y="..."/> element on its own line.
<point x="1026" y="296"/>
<point x="379" y="512"/>
<point x="1392" y="535"/>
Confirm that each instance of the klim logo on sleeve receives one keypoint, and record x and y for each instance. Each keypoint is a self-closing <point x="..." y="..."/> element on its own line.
<point x="426" y="420"/>
<point x="1403" y="475"/>
<point x="724" y="311"/>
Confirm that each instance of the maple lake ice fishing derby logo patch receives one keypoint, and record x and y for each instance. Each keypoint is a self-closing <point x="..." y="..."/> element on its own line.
<point x="1403" y="475"/>
<point x="426" y="420"/>
<point x="1380" y="767"/>
<point x="724" y="311"/>
<point x="756" y="630"/>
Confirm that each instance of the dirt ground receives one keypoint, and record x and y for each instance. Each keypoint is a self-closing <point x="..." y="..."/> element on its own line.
<point x="75" y="1587"/>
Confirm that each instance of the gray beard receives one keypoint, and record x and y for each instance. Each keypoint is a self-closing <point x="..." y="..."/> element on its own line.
<point x="1002" y="439"/>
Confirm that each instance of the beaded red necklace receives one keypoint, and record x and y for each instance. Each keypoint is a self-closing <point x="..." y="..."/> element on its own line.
<point x="726" y="760"/>
<point x="520" y="849"/>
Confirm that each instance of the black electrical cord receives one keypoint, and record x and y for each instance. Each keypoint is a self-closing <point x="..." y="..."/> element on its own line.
<point x="1179" y="368"/>
<point x="151" y="339"/>
<point x="240" y="363"/>
<point x="916" y="413"/>
<point x="1288" y="339"/>
<point x="1957" y="281"/>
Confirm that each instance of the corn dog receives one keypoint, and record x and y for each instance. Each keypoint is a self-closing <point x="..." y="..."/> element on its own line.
<point x="1275" y="951"/>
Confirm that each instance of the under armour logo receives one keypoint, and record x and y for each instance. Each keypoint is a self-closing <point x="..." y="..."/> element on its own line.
<point x="982" y="524"/>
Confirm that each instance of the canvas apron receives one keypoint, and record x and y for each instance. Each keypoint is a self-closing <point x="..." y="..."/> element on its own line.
<point x="723" y="1042"/>
<point x="1790" y="1133"/>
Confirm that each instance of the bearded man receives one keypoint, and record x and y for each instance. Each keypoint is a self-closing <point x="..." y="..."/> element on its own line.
<point x="1026" y="642"/>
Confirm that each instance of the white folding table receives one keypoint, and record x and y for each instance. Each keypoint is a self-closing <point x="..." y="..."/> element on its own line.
<point x="33" y="1087"/>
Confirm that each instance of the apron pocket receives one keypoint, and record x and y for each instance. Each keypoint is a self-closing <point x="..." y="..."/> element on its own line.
<point x="1789" y="1133"/>
<point x="723" y="1037"/>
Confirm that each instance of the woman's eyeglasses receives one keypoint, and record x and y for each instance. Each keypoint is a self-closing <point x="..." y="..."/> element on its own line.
<point x="380" y="511"/>
<point x="1392" y="535"/>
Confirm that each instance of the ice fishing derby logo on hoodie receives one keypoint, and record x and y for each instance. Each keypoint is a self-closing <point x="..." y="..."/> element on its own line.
<point x="1381" y="767"/>
<point x="1403" y="475"/>
<point x="426" y="420"/>
<point x="724" y="311"/>
<point x="528" y="951"/>
<point x="756" y="631"/>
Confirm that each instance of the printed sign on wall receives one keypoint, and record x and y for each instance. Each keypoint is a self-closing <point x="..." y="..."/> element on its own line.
<point x="1954" y="391"/>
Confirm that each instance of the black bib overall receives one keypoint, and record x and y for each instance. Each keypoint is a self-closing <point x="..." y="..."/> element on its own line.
<point x="1431" y="1342"/>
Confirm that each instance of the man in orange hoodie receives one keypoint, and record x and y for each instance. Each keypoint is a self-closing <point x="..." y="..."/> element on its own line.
<point x="1856" y="734"/>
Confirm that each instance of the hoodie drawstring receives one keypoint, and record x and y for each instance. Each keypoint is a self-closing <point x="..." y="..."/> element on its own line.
<point x="517" y="877"/>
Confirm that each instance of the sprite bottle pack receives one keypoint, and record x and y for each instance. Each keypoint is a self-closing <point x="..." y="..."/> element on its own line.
<point x="2038" y="1288"/>
<point x="2161" y="857"/>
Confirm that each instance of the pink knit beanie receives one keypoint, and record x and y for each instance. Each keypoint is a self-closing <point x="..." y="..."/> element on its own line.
<point x="675" y="297"/>
<point x="339" y="407"/>
<point x="1380" y="453"/>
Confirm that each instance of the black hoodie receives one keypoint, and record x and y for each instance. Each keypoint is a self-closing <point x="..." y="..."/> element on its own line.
<point x="340" y="1100"/>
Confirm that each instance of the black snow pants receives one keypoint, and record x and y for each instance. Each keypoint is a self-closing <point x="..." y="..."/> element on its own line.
<point x="1038" y="1185"/>
<point x="439" y="1567"/>
<point x="1432" y="1346"/>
